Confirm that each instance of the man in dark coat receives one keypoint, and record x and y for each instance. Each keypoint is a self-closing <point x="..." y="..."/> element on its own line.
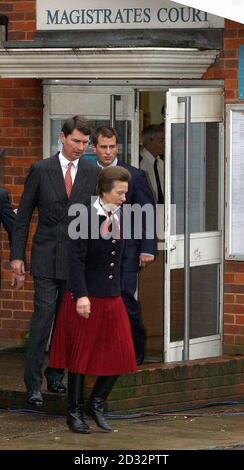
<point x="7" y="214"/>
<point x="52" y="186"/>
<point x="140" y="252"/>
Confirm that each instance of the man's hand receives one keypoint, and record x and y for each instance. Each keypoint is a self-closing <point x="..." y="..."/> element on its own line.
<point x="145" y="260"/>
<point x="83" y="307"/>
<point x="18" y="273"/>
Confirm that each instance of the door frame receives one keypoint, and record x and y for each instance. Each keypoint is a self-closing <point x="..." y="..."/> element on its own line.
<point x="136" y="86"/>
<point x="172" y="350"/>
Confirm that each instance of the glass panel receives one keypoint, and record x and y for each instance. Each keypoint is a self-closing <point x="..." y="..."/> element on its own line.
<point x="203" y="176"/>
<point x="204" y="302"/>
<point x="123" y="128"/>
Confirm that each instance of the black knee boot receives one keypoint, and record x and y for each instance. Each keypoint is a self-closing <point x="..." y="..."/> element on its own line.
<point x="75" y="417"/>
<point x="101" y="390"/>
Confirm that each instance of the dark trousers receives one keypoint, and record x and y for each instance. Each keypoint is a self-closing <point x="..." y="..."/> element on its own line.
<point x="133" y="310"/>
<point x="47" y="297"/>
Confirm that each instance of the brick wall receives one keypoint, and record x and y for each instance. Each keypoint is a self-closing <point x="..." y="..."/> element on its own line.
<point x="21" y="137"/>
<point x="226" y="68"/>
<point x="22" y="18"/>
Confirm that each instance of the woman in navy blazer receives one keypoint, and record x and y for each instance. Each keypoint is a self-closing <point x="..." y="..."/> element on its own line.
<point x="92" y="334"/>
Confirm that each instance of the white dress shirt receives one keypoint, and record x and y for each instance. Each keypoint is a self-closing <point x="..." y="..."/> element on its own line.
<point x="64" y="165"/>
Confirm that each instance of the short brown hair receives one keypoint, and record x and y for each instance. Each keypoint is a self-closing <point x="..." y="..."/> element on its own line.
<point x="108" y="176"/>
<point x="104" y="131"/>
<point x="76" y="122"/>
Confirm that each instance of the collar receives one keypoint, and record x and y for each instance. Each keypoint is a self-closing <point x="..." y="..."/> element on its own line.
<point x="64" y="161"/>
<point x="101" y="210"/>
<point x="114" y="163"/>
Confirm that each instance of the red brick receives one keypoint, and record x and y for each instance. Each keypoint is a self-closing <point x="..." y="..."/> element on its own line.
<point x="7" y="294"/>
<point x="228" y="339"/>
<point x="16" y="36"/>
<point x="229" y="318"/>
<point x="240" y="319"/>
<point x="234" y="329"/>
<point x="22" y="315"/>
<point x="232" y="43"/>
<point x="12" y="304"/>
<point x="239" y="339"/>
<point x="229" y="24"/>
<point x="14" y="324"/>
<point x="239" y="278"/>
<point x="25" y="6"/>
<point x="231" y="84"/>
<point x="229" y="298"/>
<point x="229" y="278"/>
<point x="234" y="308"/>
<point x="6" y="7"/>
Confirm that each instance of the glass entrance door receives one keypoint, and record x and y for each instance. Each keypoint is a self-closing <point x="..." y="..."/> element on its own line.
<point x="205" y="223"/>
<point x="164" y="317"/>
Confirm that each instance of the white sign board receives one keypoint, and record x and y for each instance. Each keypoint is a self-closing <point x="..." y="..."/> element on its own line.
<point x="231" y="9"/>
<point x="235" y="179"/>
<point x="117" y="14"/>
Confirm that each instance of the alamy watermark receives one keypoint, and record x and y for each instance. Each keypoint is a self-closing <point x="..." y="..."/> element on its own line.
<point x="136" y="222"/>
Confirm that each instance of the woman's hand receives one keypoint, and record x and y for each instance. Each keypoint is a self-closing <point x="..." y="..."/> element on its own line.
<point x="83" y="307"/>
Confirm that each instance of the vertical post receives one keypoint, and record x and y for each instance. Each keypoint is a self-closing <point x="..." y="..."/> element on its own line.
<point x="113" y="99"/>
<point x="185" y="353"/>
<point x="112" y="110"/>
<point x="125" y="143"/>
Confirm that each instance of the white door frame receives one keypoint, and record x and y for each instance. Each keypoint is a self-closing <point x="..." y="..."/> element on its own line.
<point x="210" y="345"/>
<point x="131" y="89"/>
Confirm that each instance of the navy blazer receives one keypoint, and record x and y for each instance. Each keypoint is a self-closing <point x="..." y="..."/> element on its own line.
<point x="95" y="264"/>
<point x="7" y="215"/>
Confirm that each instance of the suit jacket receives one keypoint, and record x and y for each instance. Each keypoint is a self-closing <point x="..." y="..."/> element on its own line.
<point x="95" y="264"/>
<point x="7" y="215"/>
<point x="45" y="190"/>
<point x="139" y="192"/>
<point x="146" y="166"/>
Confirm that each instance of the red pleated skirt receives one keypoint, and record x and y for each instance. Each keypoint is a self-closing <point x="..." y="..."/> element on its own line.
<point x="99" y="345"/>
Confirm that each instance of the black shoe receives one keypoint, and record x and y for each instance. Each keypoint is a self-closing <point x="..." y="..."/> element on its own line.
<point x="55" y="386"/>
<point x="139" y="360"/>
<point x="35" y="398"/>
<point x="94" y="409"/>
<point x="77" y="423"/>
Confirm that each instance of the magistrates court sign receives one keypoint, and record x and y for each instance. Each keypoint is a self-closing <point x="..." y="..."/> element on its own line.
<point x="121" y="14"/>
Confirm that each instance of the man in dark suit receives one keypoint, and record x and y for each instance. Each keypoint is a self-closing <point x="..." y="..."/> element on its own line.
<point x="7" y="214"/>
<point x="52" y="186"/>
<point x="140" y="252"/>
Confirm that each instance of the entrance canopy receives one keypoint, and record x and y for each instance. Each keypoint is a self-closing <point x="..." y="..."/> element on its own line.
<point x="105" y="63"/>
<point x="231" y="9"/>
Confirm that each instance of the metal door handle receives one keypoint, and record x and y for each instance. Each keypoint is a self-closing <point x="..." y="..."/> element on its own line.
<point x="113" y="99"/>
